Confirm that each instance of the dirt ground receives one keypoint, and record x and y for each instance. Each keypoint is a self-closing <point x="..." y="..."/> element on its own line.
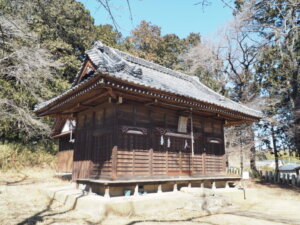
<point x="22" y="202"/>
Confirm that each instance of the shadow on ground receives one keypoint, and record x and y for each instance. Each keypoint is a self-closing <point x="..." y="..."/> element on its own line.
<point x="39" y="216"/>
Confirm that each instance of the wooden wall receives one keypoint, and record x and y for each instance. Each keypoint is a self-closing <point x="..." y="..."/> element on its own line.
<point x="130" y="140"/>
<point x="65" y="144"/>
<point x="64" y="157"/>
<point x="64" y="161"/>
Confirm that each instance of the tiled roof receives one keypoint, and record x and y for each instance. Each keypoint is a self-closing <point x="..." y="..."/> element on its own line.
<point x="126" y="67"/>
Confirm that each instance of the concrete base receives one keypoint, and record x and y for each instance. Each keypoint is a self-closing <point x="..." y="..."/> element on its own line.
<point x="100" y="206"/>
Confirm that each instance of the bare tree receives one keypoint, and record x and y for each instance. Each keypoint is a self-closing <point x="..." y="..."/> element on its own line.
<point x="230" y="62"/>
<point x="26" y="70"/>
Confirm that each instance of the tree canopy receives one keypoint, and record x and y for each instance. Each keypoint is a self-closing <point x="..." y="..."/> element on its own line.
<point x="43" y="46"/>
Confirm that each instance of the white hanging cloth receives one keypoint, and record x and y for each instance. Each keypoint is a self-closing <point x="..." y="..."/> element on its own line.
<point x="169" y="142"/>
<point x="161" y="140"/>
<point x="185" y="144"/>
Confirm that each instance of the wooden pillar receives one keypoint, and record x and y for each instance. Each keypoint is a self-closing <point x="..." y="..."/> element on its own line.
<point x="115" y="142"/>
<point x="203" y="163"/>
<point x="151" y="161"/>
<point x="167" y="162"/>
<point x="180" y="162"/>
<point x="133" y="157"/>
<point x="114" y="162"/>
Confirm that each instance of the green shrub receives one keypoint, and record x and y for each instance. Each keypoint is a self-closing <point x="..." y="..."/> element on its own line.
<point x="255" y="174"/>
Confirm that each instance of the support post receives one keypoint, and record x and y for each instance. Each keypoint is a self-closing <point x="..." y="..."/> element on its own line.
<point x="202" y="185"/>
<point x="151" y="161"/>
<point x="213" y="186"/>
<point x="114" y="161"/>
<point x="106" y="193"/>
<point x="227" y="185"/>
<point x="175" y="187"/>
<point x="136" y="190"/>
<point x="159" y="190"/>
<point x="189" y="185"/>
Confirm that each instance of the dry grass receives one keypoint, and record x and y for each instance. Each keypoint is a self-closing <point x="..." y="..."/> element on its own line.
<point x="22" y="202"/>
<point x="16" y="157"/>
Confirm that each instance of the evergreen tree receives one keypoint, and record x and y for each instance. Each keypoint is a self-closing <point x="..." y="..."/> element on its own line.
<point x="276" y="24"/>
<point x="42" y="46"/>
<point x="66" y="28"/>
<point x="147" y="42"/>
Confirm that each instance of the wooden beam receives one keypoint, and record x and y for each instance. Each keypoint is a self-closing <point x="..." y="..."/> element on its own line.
<point x="86" y="104"/>
<point x="151" y="103"/>
<point x="96" y="97"/>
<point x="111" y="92"/>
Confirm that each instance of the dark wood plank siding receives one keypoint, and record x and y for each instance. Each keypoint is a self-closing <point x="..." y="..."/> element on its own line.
<point x="94" y="143"/>
<point x="65" y="144"/>
<point x="130" y="140"/>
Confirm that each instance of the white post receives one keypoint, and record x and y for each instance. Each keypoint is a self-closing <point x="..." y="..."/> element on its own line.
<point x="189" y="185"/>
<point x="136" y="190"/>
<point x="106" y="194"/>
<point x="159" y="190"/>
<point x="227" y="185"/>
<point x="175" y="187"/>
<point x="213" y="186"/>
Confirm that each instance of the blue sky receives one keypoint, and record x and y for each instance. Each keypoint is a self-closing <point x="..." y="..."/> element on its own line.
<point x="173" y="16"/>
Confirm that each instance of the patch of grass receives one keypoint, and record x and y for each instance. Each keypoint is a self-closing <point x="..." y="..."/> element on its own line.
<point x="283" y="155"/>
<point x="15" y="156"/>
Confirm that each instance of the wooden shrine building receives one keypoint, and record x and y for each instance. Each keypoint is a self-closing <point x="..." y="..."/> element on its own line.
<point x="139" y="123"/>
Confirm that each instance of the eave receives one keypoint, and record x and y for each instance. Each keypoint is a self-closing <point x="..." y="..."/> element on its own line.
<point x="104" y="86"/>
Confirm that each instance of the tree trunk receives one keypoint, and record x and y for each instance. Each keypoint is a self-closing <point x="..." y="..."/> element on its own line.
<point x="275" y="150"/>
<point x="297" y="128"/>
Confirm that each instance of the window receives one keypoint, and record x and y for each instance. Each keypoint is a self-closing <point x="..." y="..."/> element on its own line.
<point x="182" y="124"/>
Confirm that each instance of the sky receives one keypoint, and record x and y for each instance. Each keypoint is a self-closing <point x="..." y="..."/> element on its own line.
<point x="173" y="16"/>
